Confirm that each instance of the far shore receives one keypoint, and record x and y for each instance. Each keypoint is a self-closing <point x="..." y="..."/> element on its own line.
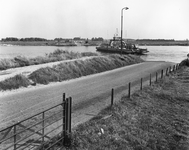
<point x="96" y="43"/>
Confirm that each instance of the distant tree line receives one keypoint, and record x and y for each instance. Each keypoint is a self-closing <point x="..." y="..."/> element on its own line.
<point x="33" y="39"/>
<point x="8" y="39"/>
<point x="97" y="39"/>
<point x="160" y="40"/>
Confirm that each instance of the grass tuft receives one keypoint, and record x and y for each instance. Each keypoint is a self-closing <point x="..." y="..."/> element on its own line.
<point x="14" y="82"/>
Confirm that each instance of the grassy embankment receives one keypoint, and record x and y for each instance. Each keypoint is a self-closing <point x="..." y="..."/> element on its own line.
<point x="57" y="55"/>
<point x="153" y="119"/>
<point x="70" y="70"/>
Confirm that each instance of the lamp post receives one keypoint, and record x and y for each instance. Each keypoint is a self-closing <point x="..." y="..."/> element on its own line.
<point x="122" y="27"/>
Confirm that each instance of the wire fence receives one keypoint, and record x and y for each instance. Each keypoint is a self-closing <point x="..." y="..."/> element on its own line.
<point x="51" y="129"/>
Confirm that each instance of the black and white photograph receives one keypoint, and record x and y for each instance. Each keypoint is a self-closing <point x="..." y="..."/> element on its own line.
<point x="94" y="75"/>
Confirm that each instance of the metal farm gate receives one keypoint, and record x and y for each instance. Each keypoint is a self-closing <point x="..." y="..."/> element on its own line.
<point x="49" y="129"/>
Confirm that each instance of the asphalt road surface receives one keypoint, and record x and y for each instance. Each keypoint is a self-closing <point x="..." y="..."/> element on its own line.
<point x="90" y="94"/>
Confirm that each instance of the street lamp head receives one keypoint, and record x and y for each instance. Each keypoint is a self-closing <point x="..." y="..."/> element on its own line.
<point x="124" y="8"/>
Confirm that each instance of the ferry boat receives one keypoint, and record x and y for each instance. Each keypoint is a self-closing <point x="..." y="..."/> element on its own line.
<point x="114" y="46"/>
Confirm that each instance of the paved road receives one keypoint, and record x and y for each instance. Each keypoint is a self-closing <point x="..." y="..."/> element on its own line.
<point x="85" y="92"/>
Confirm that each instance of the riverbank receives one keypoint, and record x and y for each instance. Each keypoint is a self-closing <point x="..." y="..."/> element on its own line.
<point x="68" y="70"/>
<point x="149" y="42"/>
<point x="154" y="118"/>
<point x="57" y="55"/>
<point x="49" y="43"/>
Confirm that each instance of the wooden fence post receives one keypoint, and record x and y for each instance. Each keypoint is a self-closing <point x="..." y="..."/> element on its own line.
<point x="141" y="84"/>
<point x="63" y="118"/>
<point x="167" y="72"/>
<point x="43" y="128"/>
<point x="15" y="137"/>
<point x="178" y="66"/>
<point x="70" y="116"/>
<point x="150" y="79"/>
<point x="173" y="68"/>
<point x="112" y="97"/>
<point x="156" y="76"/>
<point x="162" y="73"/>
<point x="66" y="138"/>
<point x="129" y="90"/>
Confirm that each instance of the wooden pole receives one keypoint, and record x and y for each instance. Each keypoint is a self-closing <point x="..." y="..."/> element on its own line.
<point x="63" y="117"/>
<point x="112" y="97"/>
<point x="66" y="138"/>
<point x="141" y="84"/>
<point x="15" y="137"/>
<point x="167" y="72"/>
<point x="43" y="127"/>
<point x="129" y="90"/>
<point x="173" y="68"/>
<point x="70" y="115"/>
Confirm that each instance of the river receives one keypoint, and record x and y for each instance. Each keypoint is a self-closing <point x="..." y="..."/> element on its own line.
<point x="156" y="53"/>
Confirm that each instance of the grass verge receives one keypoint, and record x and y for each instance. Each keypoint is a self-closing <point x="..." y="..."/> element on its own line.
<point x="57" y="55"/>
<point x="153" y="119"/>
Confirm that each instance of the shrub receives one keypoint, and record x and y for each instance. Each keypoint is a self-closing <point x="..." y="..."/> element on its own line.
<point x="22" y="61"/>
<point x="44" y="75"/>
<point x="14" y="82"/>
<point x="83" y="54"/>
<point x="8" y="63"/>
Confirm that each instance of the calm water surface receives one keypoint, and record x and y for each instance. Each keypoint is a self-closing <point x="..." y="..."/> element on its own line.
<point x="156" y="53"/>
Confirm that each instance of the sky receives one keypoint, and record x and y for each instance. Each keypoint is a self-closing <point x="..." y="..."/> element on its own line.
<point x="145" y="19"/>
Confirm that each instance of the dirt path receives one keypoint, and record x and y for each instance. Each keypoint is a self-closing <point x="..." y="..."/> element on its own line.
<point x="90" y="94"/>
